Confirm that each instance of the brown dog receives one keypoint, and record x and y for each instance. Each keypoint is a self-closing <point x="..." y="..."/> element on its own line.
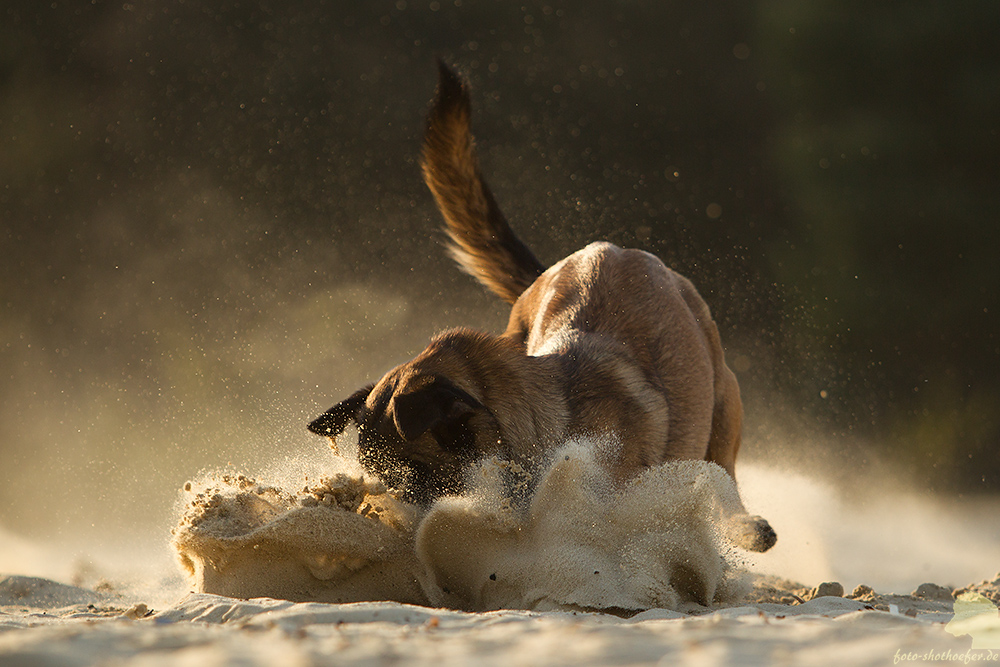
<point x="606" y="342"/>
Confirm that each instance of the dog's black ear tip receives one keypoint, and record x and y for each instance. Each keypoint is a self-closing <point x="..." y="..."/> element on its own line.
<point x="332" y="423"/>
<point x="321" y="426"/>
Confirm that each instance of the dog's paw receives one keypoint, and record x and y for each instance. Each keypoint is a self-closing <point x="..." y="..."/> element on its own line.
<point x="752" y="533"/>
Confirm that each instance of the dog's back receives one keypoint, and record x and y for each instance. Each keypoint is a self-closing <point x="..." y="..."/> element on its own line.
<point x="642" y="353"/>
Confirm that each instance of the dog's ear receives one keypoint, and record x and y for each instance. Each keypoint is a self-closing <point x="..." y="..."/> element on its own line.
<point x="435" y="405"/>
<point x="333" y="422"/>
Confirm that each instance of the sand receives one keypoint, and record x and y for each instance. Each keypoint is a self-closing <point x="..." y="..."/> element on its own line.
<point x="336" y="569"/>
<point x="37" y="628"/>
<point x="575" y="543"/>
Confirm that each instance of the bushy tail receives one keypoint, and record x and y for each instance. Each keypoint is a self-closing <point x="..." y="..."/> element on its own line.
<point x="482" y="242"/>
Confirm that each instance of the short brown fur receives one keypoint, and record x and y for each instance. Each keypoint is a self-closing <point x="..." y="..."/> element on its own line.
<point x="607" y="341"/>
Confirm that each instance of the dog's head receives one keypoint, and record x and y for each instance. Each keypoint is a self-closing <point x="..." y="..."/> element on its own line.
<point x="417" y="429"/>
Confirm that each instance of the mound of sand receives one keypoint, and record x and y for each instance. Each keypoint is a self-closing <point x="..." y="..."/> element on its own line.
<point x="575" y="543"/>
<point x="580" y="544"/>
<point x="988" y="588"/>
<point x="39" y="593"/>
<point x="342" y="540"/>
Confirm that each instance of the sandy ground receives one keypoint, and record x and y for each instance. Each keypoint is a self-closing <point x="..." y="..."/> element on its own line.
<point x="442" y="577"/>
<point x="43" y="622"/>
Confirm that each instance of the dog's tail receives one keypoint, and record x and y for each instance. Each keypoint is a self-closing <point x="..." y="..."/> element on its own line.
<point x="482" y="242"/>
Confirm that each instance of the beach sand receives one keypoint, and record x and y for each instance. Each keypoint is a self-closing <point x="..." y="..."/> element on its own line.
<point x="42" y="622"/>
<point x="572" y="572"/>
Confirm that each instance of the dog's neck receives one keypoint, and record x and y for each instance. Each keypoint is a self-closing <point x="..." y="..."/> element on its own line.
<point x="535" y="414"/>
<point x="524" y="393"/>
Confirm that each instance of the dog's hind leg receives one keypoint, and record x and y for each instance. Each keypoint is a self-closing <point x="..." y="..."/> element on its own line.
<point x="750" y="532"/>
<point x="727" y="419"/>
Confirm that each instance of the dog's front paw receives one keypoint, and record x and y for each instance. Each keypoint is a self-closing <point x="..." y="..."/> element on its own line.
<point x="752" y="533"/>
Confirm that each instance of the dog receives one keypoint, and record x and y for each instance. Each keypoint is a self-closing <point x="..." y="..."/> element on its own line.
<point x="607" y="341"/>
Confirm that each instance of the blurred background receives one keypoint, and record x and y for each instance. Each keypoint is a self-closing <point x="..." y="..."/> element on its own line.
<point x="213" y="225"/>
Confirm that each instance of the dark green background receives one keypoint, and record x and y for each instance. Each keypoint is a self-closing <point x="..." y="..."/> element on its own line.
<point x="213" y="226"/>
